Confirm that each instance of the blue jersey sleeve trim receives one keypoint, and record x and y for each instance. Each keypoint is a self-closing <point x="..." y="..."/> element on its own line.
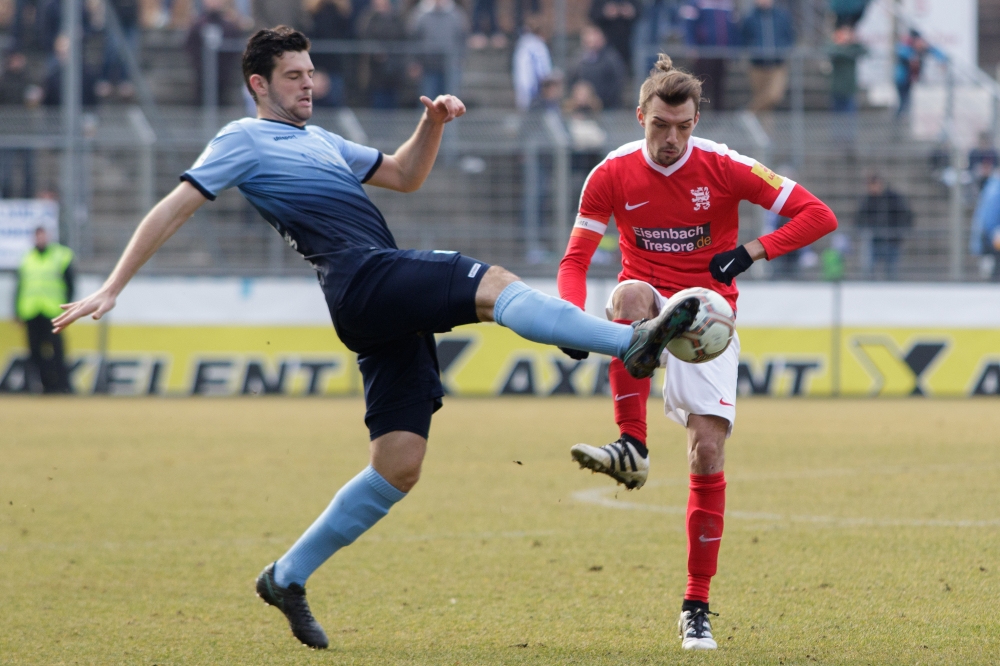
<point x="371" y="172"/>
<point x="198" y="186"/>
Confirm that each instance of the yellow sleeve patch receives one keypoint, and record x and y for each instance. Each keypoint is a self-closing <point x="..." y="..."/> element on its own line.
<point x="768" y="176"/>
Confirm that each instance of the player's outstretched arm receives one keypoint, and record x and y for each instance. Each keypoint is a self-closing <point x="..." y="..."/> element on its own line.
<point x="407" y="168"/>
<point x="154" y="230"/>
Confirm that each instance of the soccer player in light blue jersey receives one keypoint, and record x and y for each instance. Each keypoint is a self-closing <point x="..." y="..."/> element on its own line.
<point x="385" y="303"/>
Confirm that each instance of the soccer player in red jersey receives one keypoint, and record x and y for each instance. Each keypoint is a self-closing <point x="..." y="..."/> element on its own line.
<point x="675" y="201"/>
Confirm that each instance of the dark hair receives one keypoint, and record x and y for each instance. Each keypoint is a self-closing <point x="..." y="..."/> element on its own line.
<point x="265" y="47"/>
<point x="674" y="86"/>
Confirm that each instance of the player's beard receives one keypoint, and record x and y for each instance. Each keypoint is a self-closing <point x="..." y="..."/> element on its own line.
<point x="664" y="158"/>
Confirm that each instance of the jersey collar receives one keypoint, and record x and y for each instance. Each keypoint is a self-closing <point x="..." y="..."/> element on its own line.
<point x="282" y="122"/>
<point x="667" y="171"/>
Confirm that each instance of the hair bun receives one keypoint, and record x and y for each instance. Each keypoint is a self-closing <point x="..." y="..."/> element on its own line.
<point x="664" y="64"/>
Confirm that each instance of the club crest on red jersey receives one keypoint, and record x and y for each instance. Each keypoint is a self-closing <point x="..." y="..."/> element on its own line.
<point x="700" y="196"/>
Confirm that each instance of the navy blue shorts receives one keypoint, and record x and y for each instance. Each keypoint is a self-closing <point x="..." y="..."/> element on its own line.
<point x="388" y="315"/>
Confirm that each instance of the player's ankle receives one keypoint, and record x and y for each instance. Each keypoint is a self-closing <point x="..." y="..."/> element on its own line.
<point x="636" y="443"/>
<point x="694" y="605"/>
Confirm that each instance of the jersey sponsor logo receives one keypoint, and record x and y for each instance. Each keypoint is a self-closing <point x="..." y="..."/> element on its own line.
<point x="727" y="404"/>
<point x="701" y="198"/>
<point x="475" y="270"/>
<point x="675" y="239"/>
<point x="768" y="176"/>
<point x="631" y="207"/>
<point x="286" y="137"/>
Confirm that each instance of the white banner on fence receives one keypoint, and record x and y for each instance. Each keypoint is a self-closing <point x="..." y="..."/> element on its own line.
<point x="213" y="301"/>
<point x="18" y="220"/>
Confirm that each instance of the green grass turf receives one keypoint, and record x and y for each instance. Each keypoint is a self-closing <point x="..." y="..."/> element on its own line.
<point x="858" y="532"/>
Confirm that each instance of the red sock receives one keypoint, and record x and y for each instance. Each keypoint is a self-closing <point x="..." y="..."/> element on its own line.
<point x="706" y="506"/>
<point x="630" y="396"/>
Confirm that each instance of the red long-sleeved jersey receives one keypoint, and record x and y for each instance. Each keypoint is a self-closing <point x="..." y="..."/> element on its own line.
<point x="673" y="220"/>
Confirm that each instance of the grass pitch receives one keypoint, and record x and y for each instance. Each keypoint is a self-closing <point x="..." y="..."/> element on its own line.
<point x="857" y="532"/>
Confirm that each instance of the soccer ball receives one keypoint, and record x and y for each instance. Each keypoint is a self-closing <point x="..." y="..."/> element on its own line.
<point x="711" y="331"/>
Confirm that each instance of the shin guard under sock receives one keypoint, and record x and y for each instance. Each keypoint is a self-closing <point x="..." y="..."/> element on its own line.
<point x="706" y="506"/>
<point x="631" y="396"/>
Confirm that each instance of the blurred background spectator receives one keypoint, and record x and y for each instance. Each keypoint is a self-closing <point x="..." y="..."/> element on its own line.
<point x="833" y="260"/>
<point x="114" y="75"/>
<point x="16" y="85"/>
<point x="710" y="23"/>
<point x="485" y="29"/>
<point x="54" y="66"/>
<point x="382" y="74"/>
<point x="601" y="66"/>
<point x="437" y="25"/>
<point x="532" y="62"/>
<point x="331" y="19"/>
<point x="17" y="165"/>
<point x="216" y="13"/>
<point x="550" y="93"/>
<point x="984" y="240"/>
<point x="524" y="7"/>
<point x="583" y="101"/>
<point x="615" y="18"/>
<point x="885" y="218"/>
<point x="983" y="159"/>
<point x="847" y="12"/>
<point x="844" y="52"/>
<point x="768" y="27"/>
<point x="910" y="54"/>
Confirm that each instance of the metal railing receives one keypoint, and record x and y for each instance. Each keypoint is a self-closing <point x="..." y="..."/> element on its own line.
<point x="504" y="190"/>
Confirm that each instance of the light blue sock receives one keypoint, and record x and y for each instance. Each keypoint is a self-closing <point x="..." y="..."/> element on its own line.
<point x="355" y="508"/>
<point x="553" y="321"/>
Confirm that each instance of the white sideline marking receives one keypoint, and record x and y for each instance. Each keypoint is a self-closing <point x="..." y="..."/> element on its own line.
<point x="603" y="497"/>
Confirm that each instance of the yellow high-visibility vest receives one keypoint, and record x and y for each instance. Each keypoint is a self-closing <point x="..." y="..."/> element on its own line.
<point x="43" y="288"/>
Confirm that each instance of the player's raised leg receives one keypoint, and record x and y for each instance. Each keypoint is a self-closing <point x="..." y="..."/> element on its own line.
<point x="626" y="460"/>
<point x="535" y="316"/>
<point x="705" y="511"/>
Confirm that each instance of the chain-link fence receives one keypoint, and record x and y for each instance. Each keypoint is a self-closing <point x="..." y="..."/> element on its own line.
<point x="504" y="189"/>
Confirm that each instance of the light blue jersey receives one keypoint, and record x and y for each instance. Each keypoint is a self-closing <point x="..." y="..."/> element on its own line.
<point x="305" y="181"/>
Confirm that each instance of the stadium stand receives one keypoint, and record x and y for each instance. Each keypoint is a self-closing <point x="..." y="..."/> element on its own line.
<point x="491" y="164"/>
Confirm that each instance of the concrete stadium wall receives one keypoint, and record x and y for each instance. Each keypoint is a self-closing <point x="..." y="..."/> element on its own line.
<point x="225" y="336"/>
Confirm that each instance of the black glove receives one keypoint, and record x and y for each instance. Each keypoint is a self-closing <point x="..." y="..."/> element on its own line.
<point x="574" y="354"/>
<point x="727" y="265"/>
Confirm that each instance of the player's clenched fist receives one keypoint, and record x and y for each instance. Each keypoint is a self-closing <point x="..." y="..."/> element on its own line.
<point x="444" y="108"/>
<point x="727" y="265"/>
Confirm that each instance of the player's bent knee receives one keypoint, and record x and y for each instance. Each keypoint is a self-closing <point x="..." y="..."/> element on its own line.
<point x="398" y="456"/>
<point x="491" y="286"/>
<point x="634" y="301"/>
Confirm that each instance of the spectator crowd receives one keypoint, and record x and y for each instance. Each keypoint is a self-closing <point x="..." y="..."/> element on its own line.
<point x="405" y="48"/>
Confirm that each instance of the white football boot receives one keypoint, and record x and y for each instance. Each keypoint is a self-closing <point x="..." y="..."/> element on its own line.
<point x="696" y="630"/>
<point x="620" y="460"/>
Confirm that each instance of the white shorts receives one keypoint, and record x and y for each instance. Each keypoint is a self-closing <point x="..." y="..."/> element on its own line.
<point x="706" y="389"/>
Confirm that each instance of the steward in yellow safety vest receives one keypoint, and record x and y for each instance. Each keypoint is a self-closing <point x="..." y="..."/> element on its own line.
<point x="44" y="282"/>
